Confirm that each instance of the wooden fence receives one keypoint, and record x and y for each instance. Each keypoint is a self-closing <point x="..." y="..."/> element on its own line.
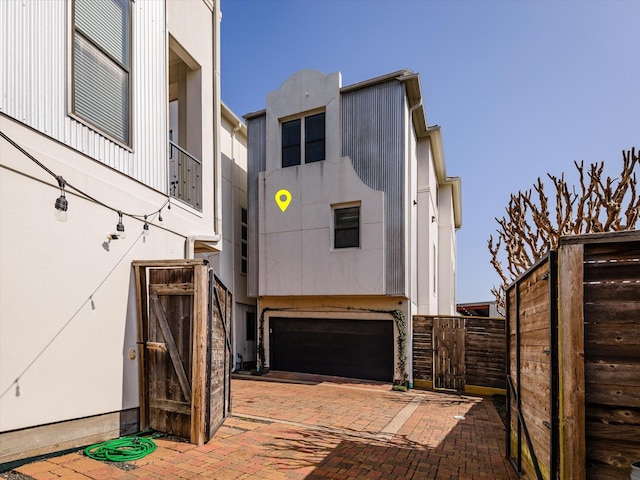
<point x="184" y="336"/>
<point x="574" y="360"/>
<point x="465" y="354"/>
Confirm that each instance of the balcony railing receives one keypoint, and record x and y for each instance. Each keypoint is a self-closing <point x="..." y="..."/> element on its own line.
<point x="185" y="176"/>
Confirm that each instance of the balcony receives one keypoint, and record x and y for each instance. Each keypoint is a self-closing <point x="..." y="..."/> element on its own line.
<point x="185" y="176"/>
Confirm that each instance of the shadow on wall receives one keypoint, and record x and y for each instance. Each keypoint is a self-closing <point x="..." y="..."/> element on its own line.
<point x="130" y="417"/>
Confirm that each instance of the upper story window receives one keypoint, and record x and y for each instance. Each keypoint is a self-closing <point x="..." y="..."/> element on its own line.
<point x="346" y="228"/>
<point x="312" y="136"/>
<point x="102" y="66"/>
<point x="291" y="138"/>
<point x="244" y="238"/>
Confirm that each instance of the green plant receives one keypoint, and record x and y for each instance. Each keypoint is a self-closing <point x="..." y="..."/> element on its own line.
<point x="401" y="326"/>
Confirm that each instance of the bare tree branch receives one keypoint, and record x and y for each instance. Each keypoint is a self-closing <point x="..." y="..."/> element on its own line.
<point x="528" y="230"/>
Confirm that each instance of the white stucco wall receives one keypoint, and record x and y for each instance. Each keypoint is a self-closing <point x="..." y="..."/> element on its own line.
<point x="68" y="316"/>
<point x="227" y="264"/>
<point x="447" y="258"/>
<point x="71" y="355"/>
<point x="428" y="218"/>
<point x="296" y="246"/>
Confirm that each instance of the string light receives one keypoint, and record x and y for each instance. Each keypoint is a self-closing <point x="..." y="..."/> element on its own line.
<point x="120" y="228"/>
<point x="61" y="206"/>
<point x="61" y="202"/>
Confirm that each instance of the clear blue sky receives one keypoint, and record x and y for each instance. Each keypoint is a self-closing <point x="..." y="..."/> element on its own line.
<point x="520" y="88"/>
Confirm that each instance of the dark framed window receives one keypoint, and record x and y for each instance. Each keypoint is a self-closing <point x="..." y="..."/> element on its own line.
<point x="346" y="227"/>
<point x="314" y="138"/>
<point x="244" y="236"/>
<point x="100" y="92"/>
<point x="291" y="138"/>
<point x="250" y="324"/>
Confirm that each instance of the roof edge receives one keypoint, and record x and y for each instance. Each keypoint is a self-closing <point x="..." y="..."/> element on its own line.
<point x="434" y="134"/>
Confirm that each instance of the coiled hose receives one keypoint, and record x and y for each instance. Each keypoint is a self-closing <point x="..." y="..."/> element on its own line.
<point x="124" y="449"/>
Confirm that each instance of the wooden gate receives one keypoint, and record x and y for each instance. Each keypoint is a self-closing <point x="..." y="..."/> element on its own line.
<point x="448" y="353"/>
<point x="532" y="380"/>
<point x="183" y="333"/>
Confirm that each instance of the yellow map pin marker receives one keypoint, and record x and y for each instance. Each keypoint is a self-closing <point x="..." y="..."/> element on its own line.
<point x="283" y="199"/>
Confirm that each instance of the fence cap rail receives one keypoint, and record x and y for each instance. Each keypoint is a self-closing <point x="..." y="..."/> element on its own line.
<point x="606" y="237"/>
<point x="170" y="263"/>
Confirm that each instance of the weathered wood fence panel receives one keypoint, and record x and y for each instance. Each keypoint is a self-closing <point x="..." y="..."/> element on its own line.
<point x="448" y="353"/>
<point x="588" y="400"/>
<point x="485" y="352"/>
<point x="531" y="405"/>
<point x="612" y="358"/>
<point x="184" y="318"/>
<point x="461" y="353"/>
<point x="220" y="357"/>
<point x="423" y="350"/>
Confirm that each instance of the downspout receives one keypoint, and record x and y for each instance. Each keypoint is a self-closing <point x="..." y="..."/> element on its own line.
<point x="217" y="119"/>
<point x="233" y="232"/>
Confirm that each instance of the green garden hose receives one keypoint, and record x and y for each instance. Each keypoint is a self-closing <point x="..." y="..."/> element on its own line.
<point x="123" y="449"/>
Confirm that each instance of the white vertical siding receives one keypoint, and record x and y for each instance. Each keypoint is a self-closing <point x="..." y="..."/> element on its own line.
<point x="34" y="84"/>
<point x="150" y="96"/>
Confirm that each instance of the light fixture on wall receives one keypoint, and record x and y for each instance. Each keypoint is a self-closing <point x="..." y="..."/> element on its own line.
<point x="120" y="227"/>
<point x="145" y="227"/>
<point x="119" y="234"/>
<point x="61" y="202"/>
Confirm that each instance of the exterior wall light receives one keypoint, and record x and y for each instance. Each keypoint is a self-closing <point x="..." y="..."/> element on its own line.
<point x="61" y="202"/>
<point x="119" y="233"/>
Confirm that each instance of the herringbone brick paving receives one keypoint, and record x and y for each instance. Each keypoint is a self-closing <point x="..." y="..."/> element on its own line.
<point x="347" y="430"/>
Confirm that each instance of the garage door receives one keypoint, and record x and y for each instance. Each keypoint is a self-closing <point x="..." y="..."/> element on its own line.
<point x="345" y="348"/>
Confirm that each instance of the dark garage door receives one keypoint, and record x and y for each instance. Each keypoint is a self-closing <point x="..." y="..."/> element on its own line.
<point x="345" y="348"/>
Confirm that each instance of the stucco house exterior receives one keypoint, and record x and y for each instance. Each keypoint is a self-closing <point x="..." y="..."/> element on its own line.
<point x="231" y="263"/>
<point x="352" y="224"/>
<point x="112" y="122"/>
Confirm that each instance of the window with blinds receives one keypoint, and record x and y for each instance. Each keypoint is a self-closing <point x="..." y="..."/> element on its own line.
<point x="346" y="227"/>
<point x="102" y="65"/>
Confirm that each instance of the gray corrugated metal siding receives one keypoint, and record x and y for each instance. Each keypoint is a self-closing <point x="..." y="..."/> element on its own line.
<point x="373" y="137"/>
<point x="257" y="161"/>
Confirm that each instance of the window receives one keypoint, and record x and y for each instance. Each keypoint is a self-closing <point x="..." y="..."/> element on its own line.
<point x="346" y="227"/>
<point x="291" y="143"/>
<point x="250" y="324"/>
<point x="101" y="65"/>
<point x="314" y="140"/>
<point x="243" y="241"/>
<point x="435" y="269"/>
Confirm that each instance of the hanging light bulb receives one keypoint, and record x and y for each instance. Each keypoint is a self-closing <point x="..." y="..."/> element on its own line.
<point x="145" y="227"/>
<point x="160" y="220"/>
<point x="120" y="227"/>
<point x="61" y="202"/>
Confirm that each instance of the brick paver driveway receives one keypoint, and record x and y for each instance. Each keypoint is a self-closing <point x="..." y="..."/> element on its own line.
<point x="344" y="430"/>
